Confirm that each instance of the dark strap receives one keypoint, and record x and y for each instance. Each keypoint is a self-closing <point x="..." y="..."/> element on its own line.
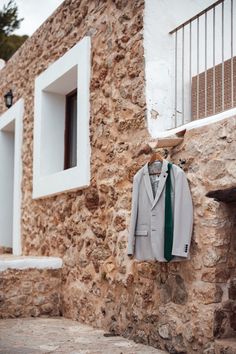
<point x="168" y="240"/>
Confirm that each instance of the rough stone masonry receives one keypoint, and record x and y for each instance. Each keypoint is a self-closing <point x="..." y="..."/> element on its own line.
<point x="30" y="293"/>
<point x="178" y="307"/>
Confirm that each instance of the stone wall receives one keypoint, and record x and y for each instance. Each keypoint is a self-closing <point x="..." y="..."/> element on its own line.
<point x="210" y="153"/>
<point x="172" y="306"/>
<point x="30" y="292"/>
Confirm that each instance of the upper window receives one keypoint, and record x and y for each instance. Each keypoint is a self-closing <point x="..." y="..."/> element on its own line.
<point x="61" y="124"/>
<point x="71" y="130"/>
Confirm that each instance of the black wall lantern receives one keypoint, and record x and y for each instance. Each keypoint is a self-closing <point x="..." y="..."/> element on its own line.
<point x="8" y="99"/>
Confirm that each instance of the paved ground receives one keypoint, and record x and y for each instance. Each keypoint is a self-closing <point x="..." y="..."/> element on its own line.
<point x="59" y="335"/>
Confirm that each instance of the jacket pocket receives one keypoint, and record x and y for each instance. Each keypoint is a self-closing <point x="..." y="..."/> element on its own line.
<point x="141" y="233"/>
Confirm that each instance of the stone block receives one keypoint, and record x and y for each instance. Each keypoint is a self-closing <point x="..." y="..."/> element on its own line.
<point x="225" y="346"/>
<point x="211" y="258"/>
<point x="207" y="293"/>
<point x="232" y="289"/>
<point x="163" y="331"/>
<point x="174" y="290"/>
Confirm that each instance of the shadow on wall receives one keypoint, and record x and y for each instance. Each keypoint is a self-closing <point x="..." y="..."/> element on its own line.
<point x="225" y="314"/>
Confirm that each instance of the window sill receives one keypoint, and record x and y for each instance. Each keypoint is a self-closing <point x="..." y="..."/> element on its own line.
<point x="61" y="182"/>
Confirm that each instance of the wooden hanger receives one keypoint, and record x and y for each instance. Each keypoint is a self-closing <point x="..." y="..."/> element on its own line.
<point x="156" y="156"/>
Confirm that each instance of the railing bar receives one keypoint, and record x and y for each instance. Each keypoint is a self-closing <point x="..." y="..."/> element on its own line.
<point x="213" y="74"/>
<point x="206" y="64"/>
<point x="183" y="75"/>
<point x="176" y="43"/>
<point x="232" y="60"/>
<point x="190" y="66"/>
<point x="197" y="67"/>
<point x="196" y="16"/>
<point x="222" y="67"/>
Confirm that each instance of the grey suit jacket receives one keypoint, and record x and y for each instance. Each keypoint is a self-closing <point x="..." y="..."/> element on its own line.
<point x="146" y="234"/>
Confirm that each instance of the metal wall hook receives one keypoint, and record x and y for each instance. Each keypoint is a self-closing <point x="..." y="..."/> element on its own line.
<point x="181" y="163"/>
<point x="166" y="153"/>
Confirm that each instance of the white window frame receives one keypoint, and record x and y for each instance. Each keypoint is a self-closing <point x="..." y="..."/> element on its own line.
<point x="14" y="115"/>
<point x="79" y="176"/>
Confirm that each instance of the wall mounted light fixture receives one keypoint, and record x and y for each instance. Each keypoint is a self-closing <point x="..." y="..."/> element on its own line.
<point x="8" y="99"/>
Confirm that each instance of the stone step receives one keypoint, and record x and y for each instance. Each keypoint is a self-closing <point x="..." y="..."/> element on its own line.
<point x="225" y="346"/>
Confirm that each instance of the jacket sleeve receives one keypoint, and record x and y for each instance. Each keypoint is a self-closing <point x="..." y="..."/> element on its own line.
<point x="183" y="216"/>
<point x="133" y="219"/>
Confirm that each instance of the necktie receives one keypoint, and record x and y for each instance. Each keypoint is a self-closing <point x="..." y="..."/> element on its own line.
<point x="168" y="236"/>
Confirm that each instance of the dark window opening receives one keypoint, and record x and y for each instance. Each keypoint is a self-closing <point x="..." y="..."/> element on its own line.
<point x="70" y="159"/>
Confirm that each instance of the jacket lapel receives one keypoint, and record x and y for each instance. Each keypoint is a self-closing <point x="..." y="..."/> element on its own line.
<point x="148" y="183"/>
<point x="162" y="181"/>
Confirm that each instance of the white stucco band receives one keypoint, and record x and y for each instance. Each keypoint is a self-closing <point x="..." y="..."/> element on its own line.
<point x="71" y="71"/>
<point x="27" y="262"/>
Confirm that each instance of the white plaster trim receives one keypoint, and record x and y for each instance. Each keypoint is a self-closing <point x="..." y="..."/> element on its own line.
<point x="198" y="123"/>
<point x="30" y="262"/>
<point x="16" y="113"/>
<point x="2" y="64"/>
<point x="78" y="176"/>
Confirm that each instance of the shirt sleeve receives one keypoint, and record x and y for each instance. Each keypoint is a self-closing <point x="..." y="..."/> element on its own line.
<point x="133" y="219"/>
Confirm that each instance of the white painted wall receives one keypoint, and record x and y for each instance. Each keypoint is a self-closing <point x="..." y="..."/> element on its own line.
<point x="2" y="63"/>
<point x="161" y="16"/>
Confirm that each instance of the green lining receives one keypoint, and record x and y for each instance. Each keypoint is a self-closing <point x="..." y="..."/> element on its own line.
<point x="168" y="239"/>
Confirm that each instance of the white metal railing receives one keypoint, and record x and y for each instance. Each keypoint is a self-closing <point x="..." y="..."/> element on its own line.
<point x="204" y="63"/>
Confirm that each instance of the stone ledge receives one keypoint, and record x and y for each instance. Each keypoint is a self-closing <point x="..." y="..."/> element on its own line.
<point x="223" y="195"/>
<point x="27" y="262"/>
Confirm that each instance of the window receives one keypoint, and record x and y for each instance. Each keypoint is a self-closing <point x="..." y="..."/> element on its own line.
<point x="71" y="130"/>
<point x="61" y="124"/>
